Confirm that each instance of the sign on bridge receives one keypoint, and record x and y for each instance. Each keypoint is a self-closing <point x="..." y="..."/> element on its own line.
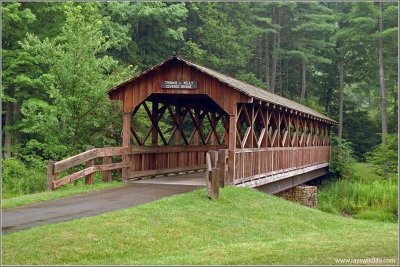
<point x="179" y="84"/>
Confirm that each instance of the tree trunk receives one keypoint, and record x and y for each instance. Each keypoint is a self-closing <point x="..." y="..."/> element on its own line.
<point x="341" y="93"/>
<point x="7" y="132"/>
<point x="280" y="77"/>
<point x="259" y="71"/>
<point x="276" y="47"/>
<point x="329" y="93"/>
<point x="303" y="79"/>
<point x="267" y="74"/>
<point x="382" y="79"/>
<point x="287" y="79"/>
<point x="395" y="111"/>
<point x="16" y="118"/>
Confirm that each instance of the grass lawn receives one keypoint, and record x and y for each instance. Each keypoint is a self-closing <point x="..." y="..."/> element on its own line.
<point x="64" y="191"/>
<point x="243" y="227"/>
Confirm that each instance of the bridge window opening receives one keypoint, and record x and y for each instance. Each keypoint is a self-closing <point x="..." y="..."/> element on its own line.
<point x="222" y="130"/>
<point x="284" y="134"/>
<point x="273" y="132"/>
<point x="141" y="126"/>
<point x="316" y="136"/>
<point x="164" y="120"/>
<point x="243" y="127"/>
<point x="292" y="132"/>
<point x="259" y="128"/>
<point x="308" y="135"/>
<point x="300" y="134"/>
<point x="205" y="130"/>
<point x="188" y="127"/>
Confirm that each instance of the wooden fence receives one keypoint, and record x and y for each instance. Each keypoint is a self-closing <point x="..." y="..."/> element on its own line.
<point x="253" y="163"/>
<point x="136" y="162"/>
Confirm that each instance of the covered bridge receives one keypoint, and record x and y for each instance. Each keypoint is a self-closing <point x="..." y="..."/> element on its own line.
<point x="177" y="111"/>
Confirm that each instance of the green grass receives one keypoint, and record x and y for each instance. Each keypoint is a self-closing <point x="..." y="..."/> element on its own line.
<point x="64" y="191"/>
<point x="362" y="194"/>
<point x="243" y="227"/>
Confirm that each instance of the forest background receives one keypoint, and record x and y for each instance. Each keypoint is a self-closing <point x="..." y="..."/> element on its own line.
<point x="59" y="60"/>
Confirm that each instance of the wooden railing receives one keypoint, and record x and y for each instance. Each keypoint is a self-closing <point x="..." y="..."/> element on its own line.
<point x="253" y="163"/>
<point x="137" y="161"/>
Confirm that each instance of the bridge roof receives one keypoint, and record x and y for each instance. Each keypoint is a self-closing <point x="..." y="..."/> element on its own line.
<point x="243" y="87"/>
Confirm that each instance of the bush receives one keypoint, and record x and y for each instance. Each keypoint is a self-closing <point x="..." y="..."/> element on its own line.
<point x="384" y="156"/>
<point x="18" y="179"/>
<point x="361" y="194"/>
<point x="341" y="157"/>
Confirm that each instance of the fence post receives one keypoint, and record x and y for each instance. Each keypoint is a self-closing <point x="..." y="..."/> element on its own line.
<point x="213" y="193"/>
<point x="221" y="165"/>
<point x="89" y="179"/>
<point x="212" y="175"/>
<point x="107" y="173"/>
<point x="50" y="175"/>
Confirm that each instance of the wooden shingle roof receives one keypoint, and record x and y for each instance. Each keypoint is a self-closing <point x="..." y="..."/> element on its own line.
<point x="245" y="88"/>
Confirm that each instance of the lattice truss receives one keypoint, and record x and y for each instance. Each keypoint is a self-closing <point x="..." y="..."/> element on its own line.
<point x="172" y="124"/>
<point x="261" y="126"/>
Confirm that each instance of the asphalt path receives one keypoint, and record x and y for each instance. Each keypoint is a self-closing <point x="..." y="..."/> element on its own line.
<point x="88" y="204"/>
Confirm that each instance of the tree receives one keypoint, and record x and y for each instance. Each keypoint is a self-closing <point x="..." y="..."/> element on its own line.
<point x="341" y="37"/>
<point x="78" y="111"/>
<point x="15" y="64"/>
<point x="366" y="27"/>
<point x="312" y="25"/>
<point x="222" y="37"/>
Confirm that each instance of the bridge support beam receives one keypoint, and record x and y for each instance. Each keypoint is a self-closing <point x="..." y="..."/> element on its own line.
<point x="126" y="139"/>
<point x="231" y="149"/>
<point x="281" y="185"/>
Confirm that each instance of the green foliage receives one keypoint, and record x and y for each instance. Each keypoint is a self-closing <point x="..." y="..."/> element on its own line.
<point x="385" y="156"/>
<point x="362" y="194"/>
<point x="78" y="110"/>
<point x="221" y="37"/>
<point x="341" y="156"/>
<point x="252" y="79"/>
<point x="59" y="59"/>
<point x="17" y="179"/>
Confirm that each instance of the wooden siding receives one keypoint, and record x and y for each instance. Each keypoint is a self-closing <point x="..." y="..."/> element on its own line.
<point x="141" y="88"/>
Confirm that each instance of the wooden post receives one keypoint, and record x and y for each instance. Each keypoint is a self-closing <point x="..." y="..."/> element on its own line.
<point x="212" y="176"/>
<point x="231" y="147"/>
<point x="50" y="175"/>
<point x="89" y="179"/>
<point x="107" y="174"/>
<point x="126" y="139"/>
<point x="154" y="134"/>
<point x="213" y="157"/>
<point x="213" y="192"/>
<point x="221" y="165"/>
<point x="197" y="120"/>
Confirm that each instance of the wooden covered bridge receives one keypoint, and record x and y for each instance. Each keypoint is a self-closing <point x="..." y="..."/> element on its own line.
<point x="178" y="111"/>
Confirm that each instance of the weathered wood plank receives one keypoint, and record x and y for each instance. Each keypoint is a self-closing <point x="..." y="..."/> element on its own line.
<point x="222" y="167"/>
<point x="107" y="173"/>
<point x="231" y="147"/>
<point x="213" y="190"/>
<point x="75" y="160"/>
<point x="88" y="171"/>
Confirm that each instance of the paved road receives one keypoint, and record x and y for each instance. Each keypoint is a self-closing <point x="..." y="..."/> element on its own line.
<point x="87" y="204"/>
